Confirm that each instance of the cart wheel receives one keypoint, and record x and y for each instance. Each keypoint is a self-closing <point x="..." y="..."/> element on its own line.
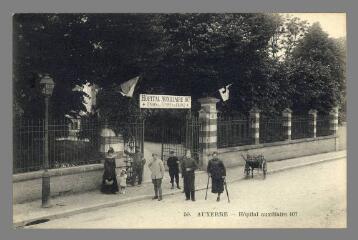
<point x="246" y="171"/>
<point x="264" y="170"/>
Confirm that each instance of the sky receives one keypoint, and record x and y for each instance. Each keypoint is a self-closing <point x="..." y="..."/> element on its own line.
<point x="332" y="23"/>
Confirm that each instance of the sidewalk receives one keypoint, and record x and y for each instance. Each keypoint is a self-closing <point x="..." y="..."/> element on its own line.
<point x="78" y="203"/>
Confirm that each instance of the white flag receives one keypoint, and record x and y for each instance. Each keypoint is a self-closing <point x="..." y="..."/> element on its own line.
<point x="127" y="88"/>
<point x="224" y="92"/>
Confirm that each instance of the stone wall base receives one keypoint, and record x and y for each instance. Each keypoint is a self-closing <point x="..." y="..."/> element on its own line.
<point x="27" y="186"/>
<point x="278" y="150"/>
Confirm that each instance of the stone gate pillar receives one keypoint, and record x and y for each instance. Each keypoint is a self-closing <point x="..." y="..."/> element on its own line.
<point x="109" y="139"/>
<point x="208" y="133"/>
<point x="333" y="125"/>
<point x="286" y="123"/>
<point x="255" y="125"/>
<point x="333" y="122"/>
<point x="313" y="122"/>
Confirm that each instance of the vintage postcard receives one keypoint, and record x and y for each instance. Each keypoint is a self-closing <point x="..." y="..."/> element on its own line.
<point x="189" y="121"/>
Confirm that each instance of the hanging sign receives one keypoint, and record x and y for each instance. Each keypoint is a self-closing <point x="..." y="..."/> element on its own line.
<point x="164" y="101"/>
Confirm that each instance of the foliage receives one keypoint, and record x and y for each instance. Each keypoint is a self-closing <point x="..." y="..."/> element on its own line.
<point x="318" y="73"/>
<point x="272" y="61"/>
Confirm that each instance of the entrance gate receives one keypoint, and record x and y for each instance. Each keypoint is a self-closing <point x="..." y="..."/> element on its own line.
<point x="174" y="135"/>
<point x="132" y="132"/>
<point x="178" y="139"/>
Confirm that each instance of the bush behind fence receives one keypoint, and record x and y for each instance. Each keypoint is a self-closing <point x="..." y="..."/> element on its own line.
<point x="302" y="127"/>
<point x="70" y="143"/>
<point x="68" y="146"/>
<point x="271" y="129"/>
<point x="233" y="131"/>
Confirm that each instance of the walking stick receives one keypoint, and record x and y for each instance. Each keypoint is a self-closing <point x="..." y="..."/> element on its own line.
<point x="207" y="187"/>
<point x="227" y="192"/>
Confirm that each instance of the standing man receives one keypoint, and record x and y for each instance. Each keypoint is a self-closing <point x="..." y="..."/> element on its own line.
<point x="188" y="173"/>
<point x="156" y="167"/>
<point x="138" y="162"/>
<point x="173" y="165"/>
<point x="217" y="172"/>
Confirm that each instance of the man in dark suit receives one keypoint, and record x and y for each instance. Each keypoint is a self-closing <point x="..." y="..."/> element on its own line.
<point x="173" y="166"/>
<point x="188" y="167"/>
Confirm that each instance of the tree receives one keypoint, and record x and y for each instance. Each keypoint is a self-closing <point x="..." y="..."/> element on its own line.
<point x="75" y="49"/>
<point x="273" y="62"/>
<point x="289" y="30"/>
<point x="41" y="45"/>
<point x="196" y="54"/>
<point x="342" y="49"/>
<point x="212" y="50"/>
<point x="318" y="73"/>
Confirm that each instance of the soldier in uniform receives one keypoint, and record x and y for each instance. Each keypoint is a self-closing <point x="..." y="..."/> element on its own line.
<point x="137" y="165"/>
<point x="156" y="167"/>
<point x="173" y="165"/>
<point x="188" y="168"/>
<point x="217" y="171"/>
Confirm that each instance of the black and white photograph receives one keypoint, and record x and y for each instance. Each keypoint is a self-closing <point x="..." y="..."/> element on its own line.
<point x="179" y="120"/>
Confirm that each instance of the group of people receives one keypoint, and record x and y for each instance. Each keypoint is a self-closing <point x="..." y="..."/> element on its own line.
<point x="215" y="169"/>
<point x="109" y="179"/>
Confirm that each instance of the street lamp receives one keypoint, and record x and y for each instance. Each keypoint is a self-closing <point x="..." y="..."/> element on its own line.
<point x="47" y="84"/>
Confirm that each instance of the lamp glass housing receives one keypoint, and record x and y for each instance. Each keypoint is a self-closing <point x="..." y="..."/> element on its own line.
<point x="47" y="85"/>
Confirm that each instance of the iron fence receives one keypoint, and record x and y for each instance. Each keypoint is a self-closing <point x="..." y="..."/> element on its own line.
<point x="323" y="126"/>
<point x="271" y="129"/>
<point x="192" y="136"/>
<point x="70" y="143"/>
<point x="68" y="146"/>
<point x="301" y="127"/>
<point x="28" y="139"/>
<point x="78" y="143"/>
<point x="181" y="137"/>
<point x="233" y="131"/>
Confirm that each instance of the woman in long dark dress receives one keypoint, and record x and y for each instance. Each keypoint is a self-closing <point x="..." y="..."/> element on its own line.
<point x="217" y="171"/>
<point x="109" y="179"/>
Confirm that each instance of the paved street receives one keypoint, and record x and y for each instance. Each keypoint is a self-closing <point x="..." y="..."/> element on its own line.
<point x="314" y="196"/>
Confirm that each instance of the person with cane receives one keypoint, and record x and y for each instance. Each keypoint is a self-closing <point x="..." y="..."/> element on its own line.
<point x="217" y="171"/>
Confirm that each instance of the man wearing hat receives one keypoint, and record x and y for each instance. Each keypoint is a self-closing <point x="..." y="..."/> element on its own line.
<point x="173" y="166"/>
<point x="137" y="165"/>
<point x="156" y="167"/>
<point x="217" y="172"/>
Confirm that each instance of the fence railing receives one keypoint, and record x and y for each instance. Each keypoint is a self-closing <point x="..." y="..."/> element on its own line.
<point x="271" y="129"/>
<point x="79" y="144"/>
<point x="236" y="131"/>
<point x="28" y="146"/>
<point x="301" y="127"/>
<point x="323" y="125"/>
<point x="67" y="146"/>
<point x="233" y="132"/>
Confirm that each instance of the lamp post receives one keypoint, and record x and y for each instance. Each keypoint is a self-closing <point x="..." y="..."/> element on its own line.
<point x="47" y="84"/>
